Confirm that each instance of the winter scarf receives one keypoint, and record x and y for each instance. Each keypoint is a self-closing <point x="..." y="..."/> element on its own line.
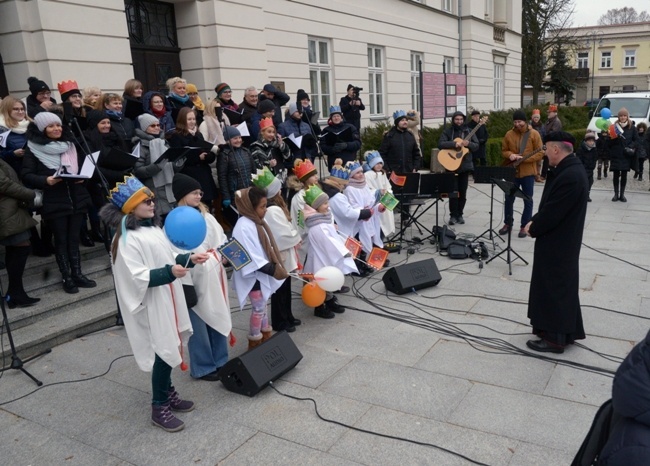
<point x="20" y="129"/>
<point x="357" y="183"/>
<point x="178" y="98"/>
<point x="56" y="154"/>
<point x="317" y="218"/>
<point x="246" y="209"/>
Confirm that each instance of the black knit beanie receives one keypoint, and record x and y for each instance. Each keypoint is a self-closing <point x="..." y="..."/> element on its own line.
<point x="36" y="85"/>
<point x="519" y="115"/>
<point x="302" y="95"/>
<point x="182" y="185"/>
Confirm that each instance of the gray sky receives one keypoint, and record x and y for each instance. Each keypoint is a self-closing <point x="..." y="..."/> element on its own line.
<point x="587" y="12"/>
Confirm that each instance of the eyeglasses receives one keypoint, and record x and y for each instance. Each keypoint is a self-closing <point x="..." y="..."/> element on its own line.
<point x="148" y="201"/>
<point x="45" y="93"/>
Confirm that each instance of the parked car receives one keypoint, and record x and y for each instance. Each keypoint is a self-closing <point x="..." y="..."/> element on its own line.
<point x="637" y="103"/>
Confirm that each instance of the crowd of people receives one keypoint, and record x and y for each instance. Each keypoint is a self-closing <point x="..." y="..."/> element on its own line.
<point x="251" y="174"/>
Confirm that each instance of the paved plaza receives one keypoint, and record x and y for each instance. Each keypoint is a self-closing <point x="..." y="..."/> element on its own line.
<point x="445" y="366"/>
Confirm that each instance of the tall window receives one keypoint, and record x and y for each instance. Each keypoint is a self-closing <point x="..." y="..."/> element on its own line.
<point x="320" y="71"/>
<point x="447" y="5"/>
<point x="499" y="85"/>
<point x="416" y="58"/>
<point x="630" y="59"/>
<point x="449" y="65"/>
<point x="583" y="59"/>
<point x="376" y="79"/>
<point x="605" y="59"/>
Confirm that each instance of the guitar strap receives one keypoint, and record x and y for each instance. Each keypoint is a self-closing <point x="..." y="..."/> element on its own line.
<point x="524" y="141"/>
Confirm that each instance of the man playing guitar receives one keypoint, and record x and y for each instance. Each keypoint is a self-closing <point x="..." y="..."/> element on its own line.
<point x="457" y="137"/>
<point x="521" y="147"/>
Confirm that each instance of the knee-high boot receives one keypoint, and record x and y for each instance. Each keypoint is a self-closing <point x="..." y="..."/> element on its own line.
<point x="69" y="285"/>
<point x="79" y="279"/>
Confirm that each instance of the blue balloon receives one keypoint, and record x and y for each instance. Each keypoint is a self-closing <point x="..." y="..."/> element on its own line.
<point x="185" y="227"/>
<point x="606" y="113"/>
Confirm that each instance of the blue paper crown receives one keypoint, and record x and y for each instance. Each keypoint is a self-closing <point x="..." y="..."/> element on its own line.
<point x="335" y="109"/>
<point x="123" y="191"/>
<point x="353" y="166"/>
<point x="373" y="158"/>
<point x="339" y="172"/>
<point x="399" y="114"/>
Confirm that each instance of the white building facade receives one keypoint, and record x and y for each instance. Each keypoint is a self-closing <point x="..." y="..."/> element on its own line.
<point x="318" y="46"/>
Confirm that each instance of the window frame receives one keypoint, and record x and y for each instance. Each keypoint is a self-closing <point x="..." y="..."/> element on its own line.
<point x="416" y="57"/>
<point x="606" y="58"/>
<point x="376" y="75"/>
<point x="584" y="60"/>
<point x="498" y="76"/>
<point x="632" y="58"/>
<point x="321" y="101"/>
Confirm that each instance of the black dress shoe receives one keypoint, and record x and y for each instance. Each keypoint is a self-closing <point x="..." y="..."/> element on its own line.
<point x="295" y="322"/>
<point x="622" y="199"/>
<point x="460" y="220"/>
<point x="324" y="313"/>
<point x="615" y="198"/>
<point x="344" y="289"/>
<point x="544" y="346"/>
<point x="211" y="377"/>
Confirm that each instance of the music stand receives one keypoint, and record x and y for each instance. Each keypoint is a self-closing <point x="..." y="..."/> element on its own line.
<point x="509" y="189"/>
<point x="484" y="175"/>
<point x="434" y="185"/>
<point x="407" y="196"/>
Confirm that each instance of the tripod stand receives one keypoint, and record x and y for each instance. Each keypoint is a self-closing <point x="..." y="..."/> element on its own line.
<point x="509" y="189"/>
<point x="16" y="362"/>
<point x="490" y="175"/>
<point x="434" y="185"/>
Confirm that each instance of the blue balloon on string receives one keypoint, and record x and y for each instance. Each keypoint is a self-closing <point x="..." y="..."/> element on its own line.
<point x="185" y="227"/>
<point x="606" y="113"/>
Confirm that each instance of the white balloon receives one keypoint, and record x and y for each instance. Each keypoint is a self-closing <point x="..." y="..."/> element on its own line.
<point x="329" y="278"/>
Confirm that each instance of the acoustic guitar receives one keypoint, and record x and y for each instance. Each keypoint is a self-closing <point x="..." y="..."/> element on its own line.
<point x="516" y="163"/>
<point x="451" y="159"/>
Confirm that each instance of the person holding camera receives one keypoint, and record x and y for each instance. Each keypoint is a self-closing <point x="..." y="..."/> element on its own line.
<point x="351" y="106"/>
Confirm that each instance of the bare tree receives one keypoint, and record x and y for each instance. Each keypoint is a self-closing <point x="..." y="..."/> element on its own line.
<point x="544" y="27"/>
<point x="623" y="16"/>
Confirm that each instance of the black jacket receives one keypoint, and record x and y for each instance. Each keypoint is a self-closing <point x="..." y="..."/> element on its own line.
<point x="351" y="113"/>
<point x="64" y="198"/>
<point x="352" y="146"/>
<point x="34" y="106"/>
<point x="400" y="151"/>
<point x="279" y="99"/>
<point x="619" y="159"/>
<point x="124" y="128"/>
<point x="446" y="141"/>
<point x="198" y="169"/>
<point x="235" y="168"/>
<point x="629" y="441"/>
<point x="588" y="156"/>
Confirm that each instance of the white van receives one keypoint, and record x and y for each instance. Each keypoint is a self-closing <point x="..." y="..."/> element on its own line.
<point x="637" y="103"/>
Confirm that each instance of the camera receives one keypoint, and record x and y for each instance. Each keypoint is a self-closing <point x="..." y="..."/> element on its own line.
<point x="356" y="90"/>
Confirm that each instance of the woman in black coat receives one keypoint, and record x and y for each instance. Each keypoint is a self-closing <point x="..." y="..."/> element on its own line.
<point x="187" y="134"/>
<point x="65" y="201"/>
<point x="621" y="153"/>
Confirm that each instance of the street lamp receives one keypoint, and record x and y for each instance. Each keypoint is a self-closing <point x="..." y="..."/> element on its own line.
<point x="593" y="37"/>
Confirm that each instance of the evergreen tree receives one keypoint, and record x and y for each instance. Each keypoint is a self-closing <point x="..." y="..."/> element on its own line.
<point x="560" y="80"/>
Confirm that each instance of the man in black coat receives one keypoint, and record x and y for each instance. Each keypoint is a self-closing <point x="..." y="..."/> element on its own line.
<point x="399" y="149"/>
<point x="553" y="302"/>
<point x="279" y="98"/>
<point x="351" y="106"/>
<point x="479" y="156"/>
<point x="449" y="140"/>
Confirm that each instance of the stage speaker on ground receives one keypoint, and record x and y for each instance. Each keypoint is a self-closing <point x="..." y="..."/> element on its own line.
<point x="414" y="276"/>
<point x="251" y="372"/>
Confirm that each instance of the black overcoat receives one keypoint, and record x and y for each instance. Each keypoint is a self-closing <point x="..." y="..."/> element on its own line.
<point x="553" y="303"/>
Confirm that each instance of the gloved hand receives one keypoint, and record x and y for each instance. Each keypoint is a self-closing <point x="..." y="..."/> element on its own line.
<point x="340" y="146"/>
<point x="225" y="203"/>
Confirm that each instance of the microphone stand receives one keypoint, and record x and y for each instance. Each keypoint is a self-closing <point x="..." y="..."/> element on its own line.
<point x="319" y="152"/>
<point x="104" y="183"/>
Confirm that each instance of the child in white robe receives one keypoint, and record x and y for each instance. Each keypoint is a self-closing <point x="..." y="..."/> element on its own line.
<point x="326" y="246"/>
<point x="150" y="298"/>
<point x="259" y="279"/>
<point x="306" y="173"/>
<point x="287" y="238"/>
<point x="362" y="196"/>
<point x="210" y="315"/>
<point x="377" y="179"/>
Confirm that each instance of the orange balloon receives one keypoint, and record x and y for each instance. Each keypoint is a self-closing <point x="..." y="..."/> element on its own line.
<point x="313" y="295"/>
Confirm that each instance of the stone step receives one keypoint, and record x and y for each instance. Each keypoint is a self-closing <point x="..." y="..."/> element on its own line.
<point x="72" y="320"/>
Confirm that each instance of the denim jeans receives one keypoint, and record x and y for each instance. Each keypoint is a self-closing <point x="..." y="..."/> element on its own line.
<point x="527" y="183"/>
<point x="208" y="348"/>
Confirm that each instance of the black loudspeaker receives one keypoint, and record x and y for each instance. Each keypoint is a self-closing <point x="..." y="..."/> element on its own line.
<point x="414" y="276"/>
<point x="251" y="372"/>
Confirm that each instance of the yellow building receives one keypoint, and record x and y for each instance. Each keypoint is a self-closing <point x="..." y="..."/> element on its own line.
<point x="610" y="59"/>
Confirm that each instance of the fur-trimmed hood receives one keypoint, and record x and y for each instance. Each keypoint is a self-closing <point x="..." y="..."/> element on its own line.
<point x="111" y="215"/>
